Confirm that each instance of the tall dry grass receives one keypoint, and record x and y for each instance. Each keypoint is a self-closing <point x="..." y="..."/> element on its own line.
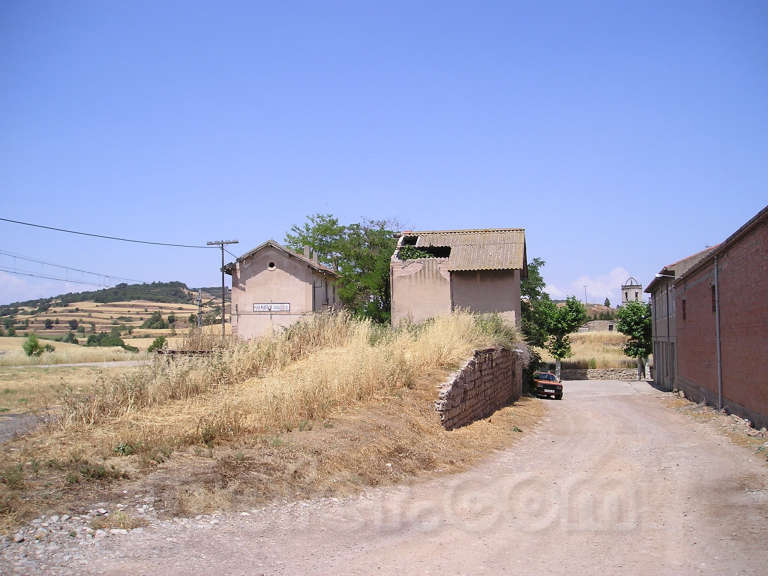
<point x="12" y="353"/>
<point x="278" y="382"/>
<point x="595" y="350"/>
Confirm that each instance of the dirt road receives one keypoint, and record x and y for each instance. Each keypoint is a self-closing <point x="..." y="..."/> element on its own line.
<point x="614" y="481"/>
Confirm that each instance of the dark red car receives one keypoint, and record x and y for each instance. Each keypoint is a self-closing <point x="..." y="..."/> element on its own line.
<point x="547" y="384"/>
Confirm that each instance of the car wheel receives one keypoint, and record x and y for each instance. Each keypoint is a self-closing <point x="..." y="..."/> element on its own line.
<point x="558" y="396"/>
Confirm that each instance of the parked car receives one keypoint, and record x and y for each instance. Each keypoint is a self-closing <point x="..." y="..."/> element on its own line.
<point x="547" y="384"/>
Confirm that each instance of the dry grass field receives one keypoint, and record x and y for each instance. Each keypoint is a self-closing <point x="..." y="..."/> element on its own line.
<point x="327" y="407"/>
<point x="12" y="354"/>
<point x="595" y="350"/>
<point x="34" y="389"/>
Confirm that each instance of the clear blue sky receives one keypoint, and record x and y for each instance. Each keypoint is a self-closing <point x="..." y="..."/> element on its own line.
<point x="622" y="136"/>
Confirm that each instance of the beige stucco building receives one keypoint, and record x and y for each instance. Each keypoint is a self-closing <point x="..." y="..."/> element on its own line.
<point x="273" y="287"/>
<point x="478" y="270"/>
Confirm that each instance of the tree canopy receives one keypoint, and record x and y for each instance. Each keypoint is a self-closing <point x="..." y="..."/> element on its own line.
<point x="359" y="252"/>
<point x="634" y="320"/>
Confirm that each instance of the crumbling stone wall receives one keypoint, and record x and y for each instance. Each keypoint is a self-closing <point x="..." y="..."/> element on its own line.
<point x="491" y="379"/>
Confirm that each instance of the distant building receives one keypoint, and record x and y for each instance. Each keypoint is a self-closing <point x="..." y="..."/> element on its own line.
<point x="715" y="317"/>
<point x="477" y="270"/>
<point x="273" y="287"/>
<point x="631" y="291"/>
<point x="662" y="291"/>
<point x="599" y="326"/>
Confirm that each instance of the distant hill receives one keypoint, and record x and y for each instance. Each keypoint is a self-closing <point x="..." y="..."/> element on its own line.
<point x="165" y="292"/>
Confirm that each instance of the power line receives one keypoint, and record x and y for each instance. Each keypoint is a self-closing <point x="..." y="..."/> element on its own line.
<point x="230" y="253"/>
<point x="28" y="259"/>
<point x="104" y="236"/>
<point x="20" y="273"/>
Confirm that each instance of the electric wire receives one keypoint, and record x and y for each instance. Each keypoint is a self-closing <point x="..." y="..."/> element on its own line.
<point x="33" y="275"/>
<point x="104" y="236"/>
<point x="29" y="259"/>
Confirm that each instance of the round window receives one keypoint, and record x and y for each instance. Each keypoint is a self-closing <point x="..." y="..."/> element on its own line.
<point x="271" y="265"/>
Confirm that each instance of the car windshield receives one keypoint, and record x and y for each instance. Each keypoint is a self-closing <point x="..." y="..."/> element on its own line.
<point x="548" y="377"/>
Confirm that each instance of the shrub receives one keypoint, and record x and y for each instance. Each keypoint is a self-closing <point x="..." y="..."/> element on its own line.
<point x="155" y="321"/>
<point x="32" y="346"/>
<point x="157" y="344"/>
<point x="73" y="324"/>
<point x="70" y="338"/>
<point x="48" y="323"/>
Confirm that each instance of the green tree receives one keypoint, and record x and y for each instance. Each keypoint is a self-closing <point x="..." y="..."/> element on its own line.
<point x="171" y="319"/>
<point x="73" y="324"/>
<point x="192" y="319"/>
<point x="634" y="320"/>
<point x="32" y="346"/>
<point x="563" y="321"/>
<point x="48" y="323"/>
<point x="359" y="252"/>
<point x="607" y="303"/>
<point x="70" y="338"/>
<point x="157" y="344"/>
<point x="155" y="321"/>
<point x="536" y="308"/>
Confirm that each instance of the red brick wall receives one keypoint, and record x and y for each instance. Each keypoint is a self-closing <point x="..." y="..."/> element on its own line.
<point x="743" y="279"/>
<point x="744" y="323"/>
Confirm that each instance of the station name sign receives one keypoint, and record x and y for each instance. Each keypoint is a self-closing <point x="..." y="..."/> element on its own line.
<point x="272" y="307"/>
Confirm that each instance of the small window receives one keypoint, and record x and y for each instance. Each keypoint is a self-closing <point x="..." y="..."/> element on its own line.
<point x="636" y="297"/>
<point x="271" y="266"/>
<point x="714" y="299"/>
<point x="684" y="310"/>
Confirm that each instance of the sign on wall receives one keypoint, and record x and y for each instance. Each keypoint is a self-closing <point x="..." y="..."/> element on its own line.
<point x="272" y="307"/>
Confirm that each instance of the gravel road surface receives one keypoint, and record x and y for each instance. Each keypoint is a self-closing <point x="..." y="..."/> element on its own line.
<point x="614" y="481"/>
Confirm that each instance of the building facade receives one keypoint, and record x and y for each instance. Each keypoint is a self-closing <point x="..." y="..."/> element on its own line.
<point x="721" y="324"/>
<point x="435" y="272"/>
<point x="663" y="323"/>
<point x="273" y="287"/>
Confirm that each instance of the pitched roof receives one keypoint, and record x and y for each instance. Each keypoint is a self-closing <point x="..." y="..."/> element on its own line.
<point x="484" y="249"/>
<point x="276" y="245"/>
<point x="679" y="268"/>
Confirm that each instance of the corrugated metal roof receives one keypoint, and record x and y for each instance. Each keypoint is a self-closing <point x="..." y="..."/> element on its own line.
<point x="489" y="249"/>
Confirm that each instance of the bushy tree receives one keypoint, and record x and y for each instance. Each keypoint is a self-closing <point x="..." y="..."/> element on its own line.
<point x="607" y="303"/>
<point x="157" y="344"/>
<point x="536" y="308"/>
<point x="70" y="338"/>
<point x="563" y="322"/>
<point x="171" y="319"/>
<point x="48" y="323"/>
<point x="359" y="252"/>
<point x="192" y="319"/>
<point x="155" y="321"/>
<point x="634" y="320"/>
<point x="32" y="346"/>
<point x="73" y="324"/>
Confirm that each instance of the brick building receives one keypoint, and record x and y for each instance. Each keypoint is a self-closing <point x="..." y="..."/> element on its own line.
<point x="476" y="270"/>
<point x="663" y="326"/>
<point x="721" y="324"/>
<point x="273" y="287"/>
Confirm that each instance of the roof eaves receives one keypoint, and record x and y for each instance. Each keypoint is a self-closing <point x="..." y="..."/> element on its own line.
<point x="727" y="243"/>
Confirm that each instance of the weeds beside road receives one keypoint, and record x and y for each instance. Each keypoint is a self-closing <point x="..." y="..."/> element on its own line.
<point x="328" y="406"/>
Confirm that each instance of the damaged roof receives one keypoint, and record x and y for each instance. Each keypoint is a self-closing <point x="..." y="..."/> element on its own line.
<point x="483" y="249"/>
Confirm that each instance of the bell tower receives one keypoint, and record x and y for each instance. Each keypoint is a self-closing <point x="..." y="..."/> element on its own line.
<point x="631" y="291"/>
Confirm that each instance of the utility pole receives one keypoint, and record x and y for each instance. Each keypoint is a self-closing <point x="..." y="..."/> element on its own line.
<point x="222" y="243"/>
<point x="585" y="295"/>
<point x="200" y="308"/>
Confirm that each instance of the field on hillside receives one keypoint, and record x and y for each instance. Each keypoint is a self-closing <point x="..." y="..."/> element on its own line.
<point x="12" y="353"/>
<point x="98" y="317"/>
<point x="329" y="406"/>
<point x="595" y="350"/>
